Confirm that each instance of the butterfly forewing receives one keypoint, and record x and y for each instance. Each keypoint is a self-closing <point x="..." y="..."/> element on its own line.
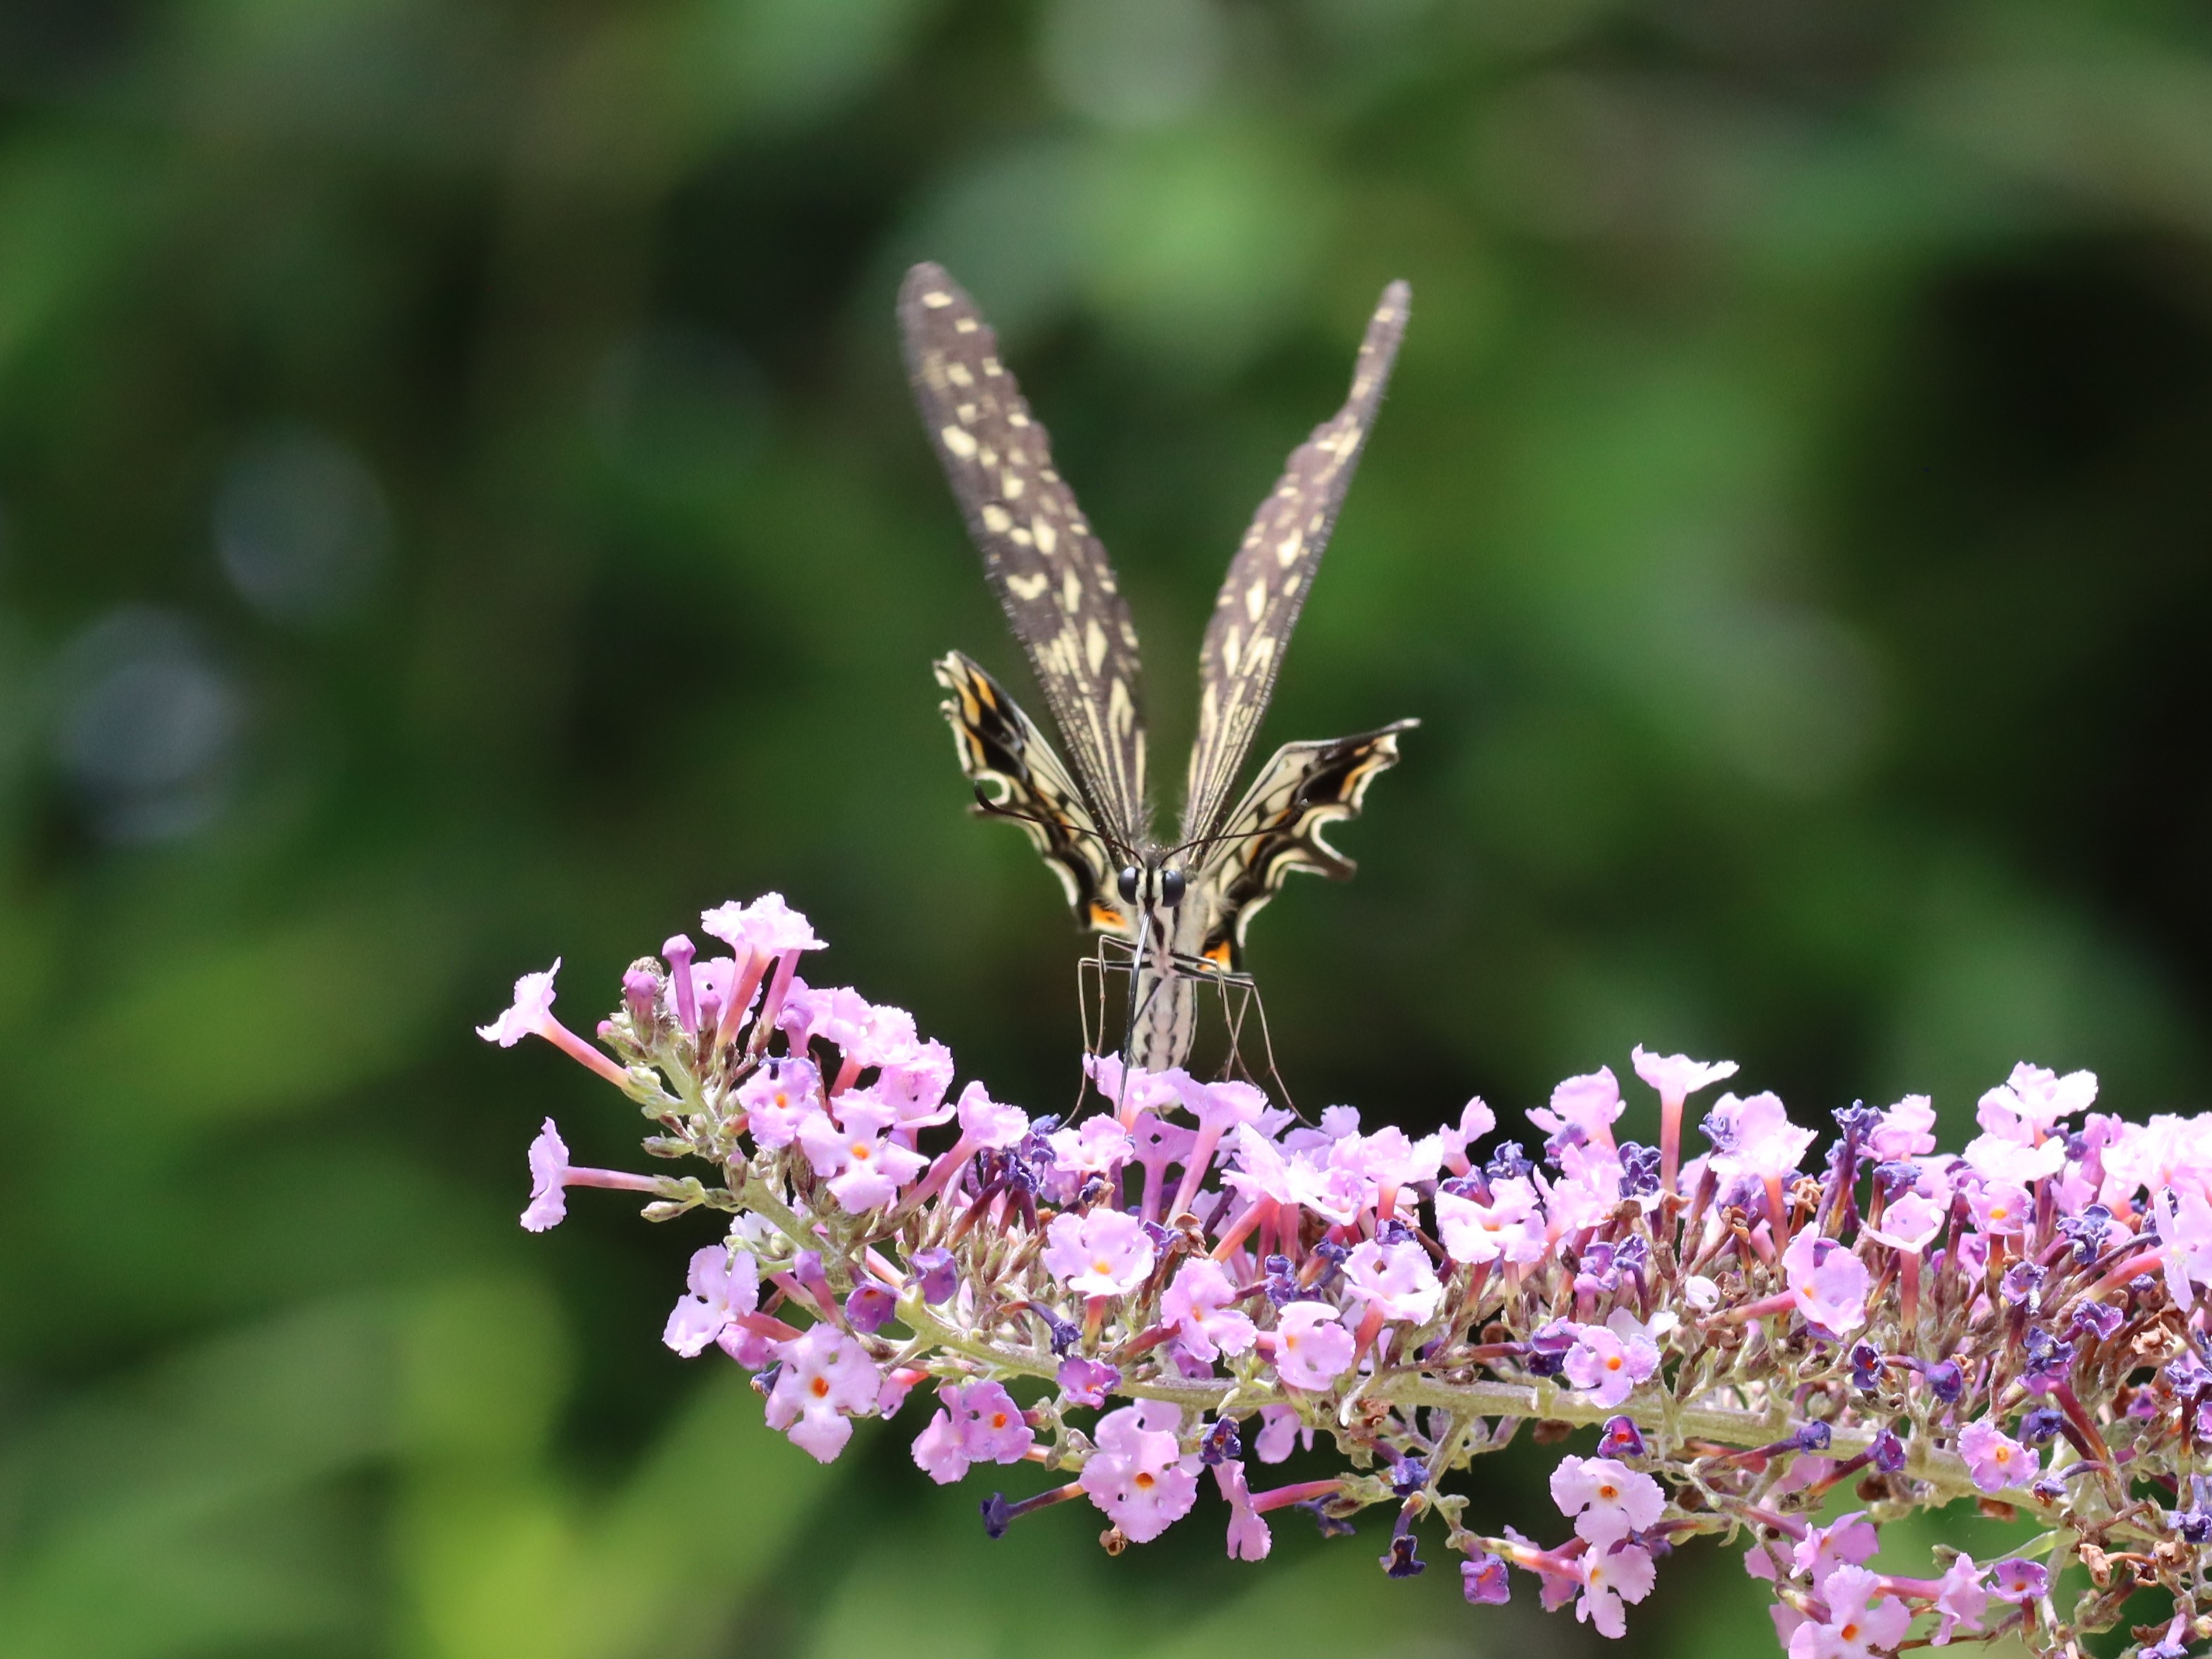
<point x="1048" y="569"/>
<point x="1267" y="579"/>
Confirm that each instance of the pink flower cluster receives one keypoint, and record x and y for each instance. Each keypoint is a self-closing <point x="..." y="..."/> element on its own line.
<point x="1185" y="1278"/>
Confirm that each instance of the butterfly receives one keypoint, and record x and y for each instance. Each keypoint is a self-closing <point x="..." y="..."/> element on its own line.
<point x="1180" y="907"/>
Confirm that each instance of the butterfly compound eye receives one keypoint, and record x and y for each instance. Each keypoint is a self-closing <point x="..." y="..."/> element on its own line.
<point x="1171" y="888"/>
<point x="1127" y="884"/>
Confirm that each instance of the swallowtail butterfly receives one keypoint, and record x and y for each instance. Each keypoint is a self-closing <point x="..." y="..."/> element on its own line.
<point x="1179" y="907"/>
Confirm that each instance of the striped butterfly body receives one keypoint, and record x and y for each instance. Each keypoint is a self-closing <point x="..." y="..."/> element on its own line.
<point x="1180" y="908"/>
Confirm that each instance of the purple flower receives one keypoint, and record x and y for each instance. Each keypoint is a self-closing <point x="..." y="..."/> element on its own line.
<point x="1103" y="1252"/>
<point x="1620" y="1437"/>
<point x="1945" y="1380"/>
<point x="1086" y="1382"/>
<point x="1887" y="1451"/>
<point x="1312" y="1347"/>
<point x="826" y="1377"/>
<point x="934" y="1270"/>
<point x="1606" y="1367"/>
<point x="1138" y="1474"/>
<point x="549" y="1190"/>
<point x="1995" y="1459"/>
<point x="1606" y="1498"/>
<point x="1483" y="1580"/>
<point x="1829" y="1282"/>
<point x="724" y="1286"/>
<point x="2014" y="1580"/>
<point x="869" y="1307"/>
<point x="1197" y="1308"/>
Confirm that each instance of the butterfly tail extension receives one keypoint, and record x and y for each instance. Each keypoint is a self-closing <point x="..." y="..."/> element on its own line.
<point x="1279" y="827"/>
<point x="1018" y="777"/>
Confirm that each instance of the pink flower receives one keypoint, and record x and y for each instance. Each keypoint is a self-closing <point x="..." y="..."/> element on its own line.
<point x="1509" y="1227"/>
<point x="1754" y="1139"/>
<point x="1999" y="1159"/>
<point x="915" y="1081"/>
<point x="1312" y="1347"/>
<point x="723" y="1285"/>
<point x="1909" y="1222"/>
<point x="985" y="1122"/>
<point x="827" y="1377"/>
<point x="1905" y="1130"/>
<point x="2185" y="1237"/>
<point x="1099" y="1146"/>
<point x="1590" y="1103"/>
<point x="864" y="1168"/>
<point x="527" y="1015"/>
<point x="768" y="925"/>
<point x="1138" y="1090"/>
<point x="1857" y="1623"/>
<point x="1396" y="1278"/>
<point x="1995" y="1459"/>
<point x="548" y="1167"/>
<point x="777" y="1097"/>
<point x="1197" y="1308"/>
<point x="1280" y="1432"/>
<point x="1607" y="1578"/>
<point x="1606" y="1499"/>
<point x="1105" y="1253"/>
<point x="2030" y="1104"/>
<point x="1847" y="1541"/>
<point x="1829" y="1282"/>
<point x="976" y="1423"/>
<point x="1475" y="1120"/>
<point x="1609" y="1368"/>
<point x="1138" y="1475"/>
<point x="1248" y="1537"/>
<point x="2000" y="1208"/>
<point x="1961" y="1600"/>
<point x="1677" y="1077"/>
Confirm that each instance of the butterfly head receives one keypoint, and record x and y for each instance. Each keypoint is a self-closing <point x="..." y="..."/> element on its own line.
<point x="1153" y="884"/>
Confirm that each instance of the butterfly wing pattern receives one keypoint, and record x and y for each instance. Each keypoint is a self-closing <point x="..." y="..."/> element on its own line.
<point x="1049" y="572"/>
<point x="1020" y="778"/>
<point x="1182" y="909"/>
<point x="1277" y="828"/>
<point x="1268" y="579"/>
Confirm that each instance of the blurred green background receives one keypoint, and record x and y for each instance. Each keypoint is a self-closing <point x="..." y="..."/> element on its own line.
<point x="459" y="506"/>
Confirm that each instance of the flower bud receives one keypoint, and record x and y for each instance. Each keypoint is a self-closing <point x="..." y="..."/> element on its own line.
<point x="869" y="1309"/>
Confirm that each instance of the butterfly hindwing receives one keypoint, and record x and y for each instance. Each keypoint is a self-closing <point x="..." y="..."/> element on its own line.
<point x="1277" y="828"/>
<point x="1002" y="751"/>
<point x="1050" y="572"/>
<point x="1268" y="580"/>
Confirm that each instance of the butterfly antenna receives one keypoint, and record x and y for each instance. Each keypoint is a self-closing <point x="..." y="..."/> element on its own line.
<point x="995" y="809"/>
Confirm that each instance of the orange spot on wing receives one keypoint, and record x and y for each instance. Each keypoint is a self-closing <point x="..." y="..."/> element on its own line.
<point x="1219" y="954"/>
